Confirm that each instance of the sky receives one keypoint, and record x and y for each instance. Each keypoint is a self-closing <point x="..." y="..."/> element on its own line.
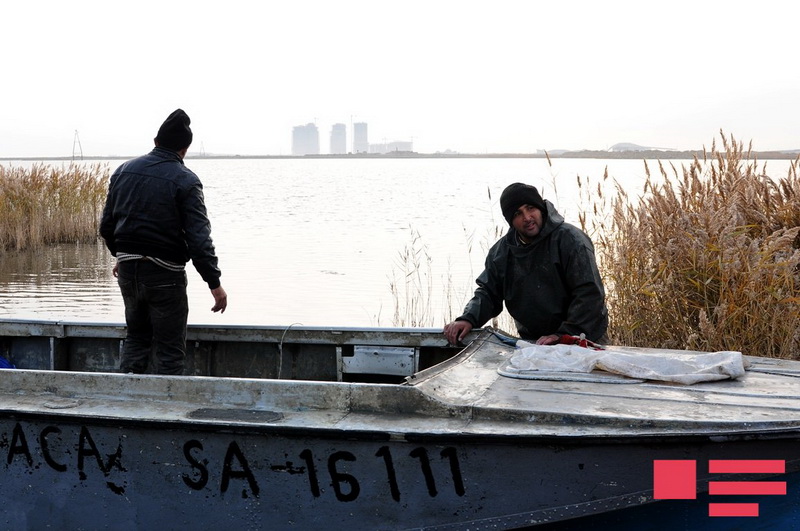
<point x="495" y="76"/>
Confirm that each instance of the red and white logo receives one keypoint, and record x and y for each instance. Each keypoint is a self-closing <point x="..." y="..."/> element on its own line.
<point x="677" y="480"/>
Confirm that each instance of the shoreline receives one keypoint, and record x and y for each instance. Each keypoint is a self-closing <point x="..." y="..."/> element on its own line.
<point x="586" y="154"/>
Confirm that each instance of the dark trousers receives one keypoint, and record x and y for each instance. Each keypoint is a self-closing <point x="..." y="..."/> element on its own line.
<point x="156" y="311"/>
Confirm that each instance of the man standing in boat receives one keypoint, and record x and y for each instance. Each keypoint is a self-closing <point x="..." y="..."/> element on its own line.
<point x="154" y="222"/>
<point x="544" y="270"/>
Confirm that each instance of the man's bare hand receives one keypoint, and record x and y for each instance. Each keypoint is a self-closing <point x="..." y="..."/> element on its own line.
<point x="456" y="331"/>
<point x="552" y="339"/>
<point x="220" y="300"/>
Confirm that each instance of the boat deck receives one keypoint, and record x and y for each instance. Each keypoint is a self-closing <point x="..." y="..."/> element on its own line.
<point x="462" y="397"/>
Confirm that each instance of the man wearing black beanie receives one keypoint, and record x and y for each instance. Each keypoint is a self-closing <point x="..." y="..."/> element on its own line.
<point x="175" y="133"/>
<point x="545" y="272"/>
<point x="154" y="222"/>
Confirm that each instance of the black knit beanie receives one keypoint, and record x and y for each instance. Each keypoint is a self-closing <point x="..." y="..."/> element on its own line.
<point x="518" y="194"/>
<point x="175" y="132"/>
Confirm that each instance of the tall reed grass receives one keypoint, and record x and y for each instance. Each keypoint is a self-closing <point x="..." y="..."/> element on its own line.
<point x="44" y="204"/>
<point x="707" y="259"/>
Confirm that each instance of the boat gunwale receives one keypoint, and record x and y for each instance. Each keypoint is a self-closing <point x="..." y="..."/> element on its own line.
<point x="62" y="329"/>
<point x="429" y="437"/>
<point x="351" y="400"/>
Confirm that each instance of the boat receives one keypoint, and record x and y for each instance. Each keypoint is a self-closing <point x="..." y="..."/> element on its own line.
<point x="319" y="428"/>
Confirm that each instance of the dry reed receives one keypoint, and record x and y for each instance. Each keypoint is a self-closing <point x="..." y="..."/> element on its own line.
<point x="411" y="292"/>
<point x="413" y="285"/>
<point x="46" y="205"/>
<point x="707" y="259"/>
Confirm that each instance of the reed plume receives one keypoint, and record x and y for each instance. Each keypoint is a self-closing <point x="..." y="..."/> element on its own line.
<point x="45" y="205"/>
<point x="707" y="259"/>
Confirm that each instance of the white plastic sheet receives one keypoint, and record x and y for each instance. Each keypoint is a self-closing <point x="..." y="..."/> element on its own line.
<point x="669" y="366"/>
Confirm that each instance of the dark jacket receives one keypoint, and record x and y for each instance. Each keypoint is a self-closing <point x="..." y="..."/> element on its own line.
<point x="155" y="208"/>
<point x="550" y="286"/>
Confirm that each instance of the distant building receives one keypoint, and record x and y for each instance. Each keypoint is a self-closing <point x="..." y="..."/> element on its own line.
<point x="627" y="146"/>
<point x="360" y="139"/>
<point x="305" y="140"/>
<point x="401" y="146"/>
<point x="338" y="139"/>
<point x="391" y="147"/>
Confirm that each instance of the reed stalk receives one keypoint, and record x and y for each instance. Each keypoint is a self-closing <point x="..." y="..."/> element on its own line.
<point x="411" y="291"/>
<point x="44" y="205"/>
<point x="414" y="285"/>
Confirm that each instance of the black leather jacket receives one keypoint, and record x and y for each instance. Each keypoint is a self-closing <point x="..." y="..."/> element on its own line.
<point x="155" y="207"/>
<point x="550" y="286"/>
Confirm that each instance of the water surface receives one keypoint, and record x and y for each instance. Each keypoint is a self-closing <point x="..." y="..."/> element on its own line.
<point x="329" y="242"/>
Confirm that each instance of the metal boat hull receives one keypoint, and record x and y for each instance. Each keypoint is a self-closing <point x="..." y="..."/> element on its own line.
<point x="457" y="446"/>
<point x="67" y="472"/>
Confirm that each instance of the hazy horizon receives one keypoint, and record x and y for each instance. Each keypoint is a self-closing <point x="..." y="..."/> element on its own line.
<point x="469" y="77"/>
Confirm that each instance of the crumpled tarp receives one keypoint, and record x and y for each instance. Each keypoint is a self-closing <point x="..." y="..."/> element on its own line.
<point x="684" y="368"/>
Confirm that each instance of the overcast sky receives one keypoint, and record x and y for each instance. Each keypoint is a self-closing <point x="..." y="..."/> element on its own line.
<point x="492" y="76"/>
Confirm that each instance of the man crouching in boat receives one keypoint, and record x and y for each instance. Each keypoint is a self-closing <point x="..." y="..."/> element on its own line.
<point x="544" y="270"/>
<point x="154" y="222"/>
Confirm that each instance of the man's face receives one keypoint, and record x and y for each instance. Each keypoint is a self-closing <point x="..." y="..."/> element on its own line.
<point x="527" y="221"/>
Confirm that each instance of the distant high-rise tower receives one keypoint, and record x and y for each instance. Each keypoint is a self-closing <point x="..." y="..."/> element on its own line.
<point x="338" y="139"/>
<point x="360" y="141"/>
<point x="305" y="140"/>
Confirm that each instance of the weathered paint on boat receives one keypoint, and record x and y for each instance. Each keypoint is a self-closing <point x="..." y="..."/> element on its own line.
<point x="457" y="446"/>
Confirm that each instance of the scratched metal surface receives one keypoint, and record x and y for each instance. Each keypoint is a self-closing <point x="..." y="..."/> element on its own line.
<point x="74" y="473"/>
<point x="766" y="398"/>
<point x="464" y="395"/>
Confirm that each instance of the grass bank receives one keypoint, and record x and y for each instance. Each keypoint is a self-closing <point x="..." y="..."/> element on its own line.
<point x="47" y="204"/>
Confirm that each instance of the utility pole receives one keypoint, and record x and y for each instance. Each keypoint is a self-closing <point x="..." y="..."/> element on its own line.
<point x="76" y="146"/>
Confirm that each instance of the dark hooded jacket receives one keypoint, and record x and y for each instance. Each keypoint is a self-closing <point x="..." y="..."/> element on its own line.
<point x="550" y="286"/>
<point x="155" y="207"/>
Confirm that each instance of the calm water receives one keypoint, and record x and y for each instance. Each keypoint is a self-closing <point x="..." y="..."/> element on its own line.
<point x="321" y="242"/>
